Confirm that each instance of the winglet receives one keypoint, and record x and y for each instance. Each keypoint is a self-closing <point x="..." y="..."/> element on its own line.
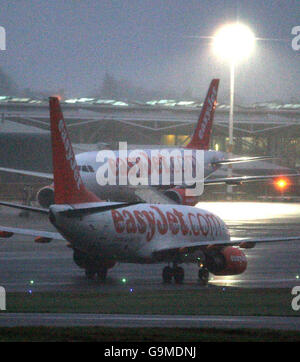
<point x="68" y="185"/>
<point x="201" y="137"/>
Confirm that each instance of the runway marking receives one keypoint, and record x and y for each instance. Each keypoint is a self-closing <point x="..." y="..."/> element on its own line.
<point x="288" y="323"/>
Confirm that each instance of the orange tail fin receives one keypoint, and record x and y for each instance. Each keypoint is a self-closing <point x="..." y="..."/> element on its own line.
<point x="68" y="185"/>
<point x="201" y="137"/>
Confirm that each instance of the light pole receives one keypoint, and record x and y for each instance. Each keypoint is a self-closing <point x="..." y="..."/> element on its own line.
<point x="233" y="43"/>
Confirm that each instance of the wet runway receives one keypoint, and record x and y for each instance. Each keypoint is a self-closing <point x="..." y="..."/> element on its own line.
<point x="25" y="265"/>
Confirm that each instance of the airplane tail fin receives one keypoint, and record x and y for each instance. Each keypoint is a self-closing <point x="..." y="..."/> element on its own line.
<point x="201" y="137"/>
<point x="68" y="185"/>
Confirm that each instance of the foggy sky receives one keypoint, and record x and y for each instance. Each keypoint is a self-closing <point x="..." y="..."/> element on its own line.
<point x="70" y="45"/>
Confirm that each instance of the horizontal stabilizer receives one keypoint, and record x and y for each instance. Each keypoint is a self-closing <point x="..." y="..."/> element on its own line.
<point x="45" y="175"/>
<point x="241" y="160"/>
<point x="30" y="232"/>
<point x="94" y="209"/>
<point x="238" y="180"/>
<point x="24" y="207"/>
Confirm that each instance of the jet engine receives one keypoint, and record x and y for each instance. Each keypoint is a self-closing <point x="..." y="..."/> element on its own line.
<point x="45" y="196"/>
<point x="180" y="197"/>
<point x="226" y="261"/>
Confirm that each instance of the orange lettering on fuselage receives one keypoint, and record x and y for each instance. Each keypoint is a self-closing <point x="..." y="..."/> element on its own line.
<point x="149" y="222"/>
<point x="130" y="222"/>
<point x="118" y="221"/>
<point x="142" y="226"/>
<point x="194" y="225"/>
<point x="204" y="230"/>
<point x="173" y="223"/>
<point x="163" y="224"/>
<point x="184" y="229"/>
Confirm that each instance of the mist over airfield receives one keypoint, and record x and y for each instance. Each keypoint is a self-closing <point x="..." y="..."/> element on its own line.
<point x="146" y="45"/>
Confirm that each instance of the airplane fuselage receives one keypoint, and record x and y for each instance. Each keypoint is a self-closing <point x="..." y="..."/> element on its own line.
<point x="131" y="234"/>
<point x="90" y="170"/>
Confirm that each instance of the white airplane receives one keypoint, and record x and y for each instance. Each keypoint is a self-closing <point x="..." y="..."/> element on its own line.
<point x="105" y="233"/>
<point x="88" y="166"/>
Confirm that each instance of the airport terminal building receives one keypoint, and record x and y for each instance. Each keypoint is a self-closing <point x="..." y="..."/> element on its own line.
<point x="260" y="129"/>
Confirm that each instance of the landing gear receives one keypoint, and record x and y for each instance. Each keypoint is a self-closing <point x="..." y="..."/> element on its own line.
<point x="169" y="273"/>
<point x="203" y="276"/>
<point x="101" y="274"/>
<point x="90" y="274"/>
<point x="92" y="267"/>
<point x="178" y="275"/>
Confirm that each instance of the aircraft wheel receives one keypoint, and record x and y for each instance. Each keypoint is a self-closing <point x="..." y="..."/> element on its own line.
<point x="90" y="274"/>
<point x="101" y="274"/>
<point x="167" y="275"/>
<point x="178" y="275"/>
<point x="203" y="276"/>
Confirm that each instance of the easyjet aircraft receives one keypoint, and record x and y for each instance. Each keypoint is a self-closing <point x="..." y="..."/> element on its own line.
<point x="88" y="166"/>
<point x="104" y="233"/>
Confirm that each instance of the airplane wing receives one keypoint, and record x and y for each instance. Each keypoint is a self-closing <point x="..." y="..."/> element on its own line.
<point x="145" y="194"/>
<point x="48" y="176"/>
<point x="25" y="207"/>
<point x="189" y="247"/>
<point x="210" y="181"/>
<point x="238" y="180"/>
<point x="30" y="232"/>
<point x="230" y="161"/>
<point x="151" y="195"/>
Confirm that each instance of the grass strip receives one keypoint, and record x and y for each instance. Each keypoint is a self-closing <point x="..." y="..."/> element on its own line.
<point x="210" y="301"/>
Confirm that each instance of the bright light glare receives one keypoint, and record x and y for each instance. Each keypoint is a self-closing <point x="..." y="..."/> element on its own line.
<point x="281" y="184"/>
<point x="234" y="42"/>
<point x="239" y="211"/>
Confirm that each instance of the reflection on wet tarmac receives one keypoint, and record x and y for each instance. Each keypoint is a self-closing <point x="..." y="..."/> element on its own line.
<point x="26" y="265"/>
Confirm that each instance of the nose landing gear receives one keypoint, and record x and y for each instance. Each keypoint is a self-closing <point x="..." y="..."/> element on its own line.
<point x="100" y="272"/>
<point x="169" y="273"/>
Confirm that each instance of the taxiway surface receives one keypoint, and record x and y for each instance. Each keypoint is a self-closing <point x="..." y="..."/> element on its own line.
<point x="25" y="265"/>
<point x="135" y="321"/>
